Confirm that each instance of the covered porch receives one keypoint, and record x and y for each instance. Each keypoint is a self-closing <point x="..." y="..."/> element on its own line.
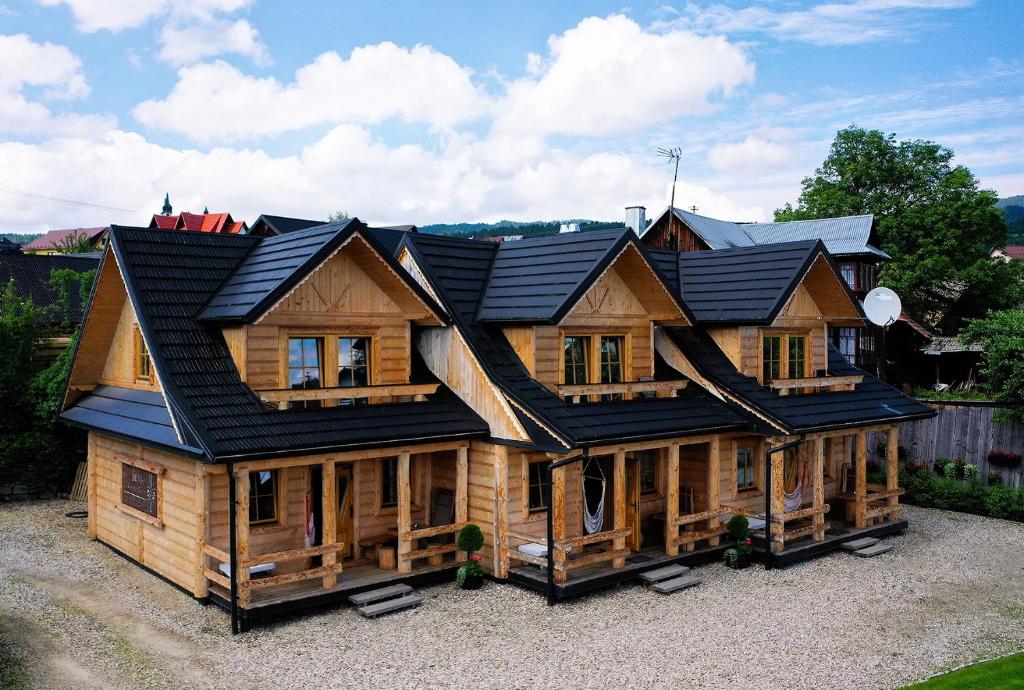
<point x="313" y="530"/>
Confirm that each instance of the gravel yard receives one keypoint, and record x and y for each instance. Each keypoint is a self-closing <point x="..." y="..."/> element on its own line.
<point x="74" y="614"/>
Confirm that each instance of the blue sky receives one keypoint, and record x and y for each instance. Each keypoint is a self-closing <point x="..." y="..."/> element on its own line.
<point x="457" y="111"/>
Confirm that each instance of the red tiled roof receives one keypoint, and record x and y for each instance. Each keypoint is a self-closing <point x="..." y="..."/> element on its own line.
<point x="53" y="237"/>
<point x="199" y="222"/>
<point x="1015" y="252"/>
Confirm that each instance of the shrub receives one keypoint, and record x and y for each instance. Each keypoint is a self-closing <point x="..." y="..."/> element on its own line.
<point x="470" y="539"/>
<point x="738" y="528"/>
<point x="1004" y="458"/>
<point x="995" y="479"/>
<point x="970" y="471"/>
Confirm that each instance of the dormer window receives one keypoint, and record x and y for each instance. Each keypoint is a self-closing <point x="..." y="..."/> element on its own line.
<point x="143" y="365"/>
<point x="576" y="348"/>
<point x="305" y="368"/>
<point x="783" y="356"/>
<point x="353" y="366"/>
<point x="611" y="362"/>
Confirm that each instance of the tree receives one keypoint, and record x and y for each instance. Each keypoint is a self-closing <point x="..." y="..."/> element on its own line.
<point x="73" y="287"/>
<point x="339" y="217"/>
<point x="1001" y="334"/>
<point x="74" y="242"/>
<point x="930" y="217"/>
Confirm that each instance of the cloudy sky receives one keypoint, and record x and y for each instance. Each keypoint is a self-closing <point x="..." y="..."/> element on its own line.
<point x="422" y="112"/>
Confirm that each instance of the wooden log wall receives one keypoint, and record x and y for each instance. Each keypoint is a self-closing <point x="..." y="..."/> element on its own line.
<point x="961" y="429"/>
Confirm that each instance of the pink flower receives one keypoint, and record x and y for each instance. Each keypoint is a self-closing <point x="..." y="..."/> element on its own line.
<point x="474" y="557"/>
<point x="749" y="541"/>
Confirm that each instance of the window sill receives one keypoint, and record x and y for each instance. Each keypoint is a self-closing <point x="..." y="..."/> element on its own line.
<point x="139" y="515"/>
<point x="269" y="529"/>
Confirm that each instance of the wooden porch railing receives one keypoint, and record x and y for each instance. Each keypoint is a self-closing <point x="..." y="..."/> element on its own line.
<point x="283" y="396"/>
<point x="562" y="547"/>
<point x="690" y="535"/>
<point x="411" y="536"/>
<point x="628" y="389"/>
<point x="247" y="585"/>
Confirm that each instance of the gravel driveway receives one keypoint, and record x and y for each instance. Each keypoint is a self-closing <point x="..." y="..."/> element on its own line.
<point x="74" y="614"/>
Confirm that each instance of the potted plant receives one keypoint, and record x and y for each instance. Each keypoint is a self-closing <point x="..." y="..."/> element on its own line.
<point x="738" y="557"/>
<point x="470" y="575"/>
<point x="1004" y="458"/>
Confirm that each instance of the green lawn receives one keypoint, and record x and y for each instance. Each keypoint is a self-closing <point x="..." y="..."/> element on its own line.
<point x="1007" y="672"/>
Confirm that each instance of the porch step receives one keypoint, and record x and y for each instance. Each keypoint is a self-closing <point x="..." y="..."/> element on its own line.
<point x="858" y="544"/>
<point x="652" y="576"/>
<point x="675" y="584"/>
<point x="871" y="551"/>
<point x="389" y="605"/>
<point x="381" y="594"/>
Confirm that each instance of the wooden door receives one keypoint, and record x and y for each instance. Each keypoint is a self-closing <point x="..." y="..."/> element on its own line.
<point x="633" y="502"/>
<point x="343" y="474"/>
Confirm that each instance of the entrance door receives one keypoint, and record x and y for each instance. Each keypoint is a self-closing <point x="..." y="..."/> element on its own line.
<point x="343" y="474"/>
<point x="633" y="502"/>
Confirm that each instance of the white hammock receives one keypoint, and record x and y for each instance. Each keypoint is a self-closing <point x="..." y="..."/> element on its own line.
<point x="792" y="501"/>
<point x="593" y="520"/>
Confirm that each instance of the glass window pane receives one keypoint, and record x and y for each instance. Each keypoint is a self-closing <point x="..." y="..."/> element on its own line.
<point x="294" y="352"/>
<point x="310" y="352"/>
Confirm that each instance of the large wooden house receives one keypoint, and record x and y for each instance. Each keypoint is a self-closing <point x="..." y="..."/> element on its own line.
<point x="277" y="422"/>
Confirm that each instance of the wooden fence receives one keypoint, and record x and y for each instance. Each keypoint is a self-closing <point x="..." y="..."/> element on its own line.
<point x="962" y="429"/>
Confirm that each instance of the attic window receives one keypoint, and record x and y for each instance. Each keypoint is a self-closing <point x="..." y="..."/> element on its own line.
<point x="783" y="356"/>
<point x="143" y="366"/>
<point x="305" y="369"/>
<point x="576" y="349"/>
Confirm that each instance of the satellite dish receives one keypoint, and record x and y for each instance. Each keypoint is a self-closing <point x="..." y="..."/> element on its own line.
<point x="882" y="306"/>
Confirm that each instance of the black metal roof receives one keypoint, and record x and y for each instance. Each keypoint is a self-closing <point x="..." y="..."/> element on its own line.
<point x="31" y="276"/>
<point x="871" y="402"/>
<point x="458" y="271"/>
<point x="282" y="225"/>
<point x="539" y="279"/>
<point x="170" y="276"/>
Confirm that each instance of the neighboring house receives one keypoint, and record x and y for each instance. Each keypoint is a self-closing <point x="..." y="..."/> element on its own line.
<point x="51" y="242"/>
<point x="848" y="240"/>
<point x="7" y="246"/>
<point x="954" y="363"/>
<point x="1009" y="253"/>
<point x="199" y="222"/>
<point x="270" y="226"/>
<point x="332" y="404"/>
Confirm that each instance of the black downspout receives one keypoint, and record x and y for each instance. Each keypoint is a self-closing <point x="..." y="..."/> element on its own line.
<point x="552" y="597"/>
<point x="232" y="525"/>
<point x="769" y="557"/>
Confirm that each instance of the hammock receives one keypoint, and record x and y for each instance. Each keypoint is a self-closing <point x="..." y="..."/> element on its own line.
<point x="793" y="487"/>
<point x="593" y="520"/>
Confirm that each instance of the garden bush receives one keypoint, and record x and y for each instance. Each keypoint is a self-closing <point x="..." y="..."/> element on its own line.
<point x="966" y="496"/>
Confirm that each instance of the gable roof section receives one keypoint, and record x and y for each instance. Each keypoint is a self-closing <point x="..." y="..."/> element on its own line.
<point x="846" y="235"/>
<point x="458" y="271"/>
<point x="169" y="276"/>
<point x="277" y="264"/>
<point x="52" y="238"/>
<point x="871" y="402"/>
<point x="31" y="276"/>
<point x="743" y="285"/>
<point x="540" y="280"/>
<point x="282" y="225"/>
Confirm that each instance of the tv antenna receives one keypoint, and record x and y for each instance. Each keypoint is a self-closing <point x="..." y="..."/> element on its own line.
<point x="674" y="155"/>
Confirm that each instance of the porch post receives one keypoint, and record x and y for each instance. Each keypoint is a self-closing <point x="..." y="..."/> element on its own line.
<point x="329" y="497"/>
<point x="461" y="491"/>
<point x="861" y="488"/>
<point x="818" y="466"/>
<point x="404" y="514"/>
<point x="558" y="520"/>
<point x="714" y="485"/>
<point x="619" y="517"/>
<point x="201" y="588"/>
<point x="672" y="501"/>
<point x="892" y="471"/>
<point x="242" y="535"/>
<point x="777" y="528"/>
<point x="501" y="511"/>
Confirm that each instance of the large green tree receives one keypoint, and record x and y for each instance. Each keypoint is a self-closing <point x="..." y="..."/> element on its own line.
<point x="1001" y="334"/>
<point x="931" y="217"/>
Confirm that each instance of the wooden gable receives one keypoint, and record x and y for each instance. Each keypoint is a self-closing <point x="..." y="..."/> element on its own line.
<point x="820" y="296"/>
<point x="669" y="232"/>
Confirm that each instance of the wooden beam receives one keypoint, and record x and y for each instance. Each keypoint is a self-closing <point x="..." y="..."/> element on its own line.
<point x="242" y="534"/>
<point x="344" y="456"/>
<point x="558" y="518"/>
<point x="672" y="500"/>
<point x="501" y="479"/>
<point x="596" y="538"/>
<point x="201" y="587"/>
<point x="345" y="393"/>
<point x="714" y="485"/>
<point x="816" y="382"/>
<point x="623" y="388"/>
<point x="860" y="487"/>
<point x="461" y="492"/>
<point x="892" y="470"/>
<point x="329" y="498"/>
<point x="92" y="479"/>
<point x="404" y="514"/>
<point x="818" y="472"/>
<point x="777" y="462"/>
<point x="619" y="513"/>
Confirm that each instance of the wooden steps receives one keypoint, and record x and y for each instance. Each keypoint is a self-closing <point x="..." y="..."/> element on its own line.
<point x="858" y="544"/>
<point x="385" y="600"/>
<point x="871" y="551"/>
<point x="671" y="578"/>
<point x="867" y="547"/>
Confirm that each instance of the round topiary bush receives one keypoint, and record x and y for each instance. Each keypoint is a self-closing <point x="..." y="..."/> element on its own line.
<point x="738" y="527"/>
<point x="470" y="538"/>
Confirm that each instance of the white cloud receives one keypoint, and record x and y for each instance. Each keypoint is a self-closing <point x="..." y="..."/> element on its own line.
<point x="829" y="23"/>
<point x="753" y="153"/>
<point x="52" y="68"/>
<point x="608" y="76"/>
<point x="193" y="29"/>
<point x="185" y="44"/>
<point x="375" y="83"/>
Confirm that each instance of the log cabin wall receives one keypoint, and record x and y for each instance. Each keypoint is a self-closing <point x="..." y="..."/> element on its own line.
<point x="483" y="507"/>
<point x="693" y="474"/>
<point x="120" y="365"/>
<point x="168" y="543"/>
<point x="668" y="232"/>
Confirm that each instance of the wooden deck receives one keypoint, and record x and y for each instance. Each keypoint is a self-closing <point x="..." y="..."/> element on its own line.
<point x="595" y="577"/>
<point x="359" y="576"/>
<point x="839" y="533"/>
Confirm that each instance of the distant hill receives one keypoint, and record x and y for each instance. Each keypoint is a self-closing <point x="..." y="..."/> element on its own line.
<point x="538" y="228"/>
<point x="1013" y="211"/>
<point x="20" y="239"/>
